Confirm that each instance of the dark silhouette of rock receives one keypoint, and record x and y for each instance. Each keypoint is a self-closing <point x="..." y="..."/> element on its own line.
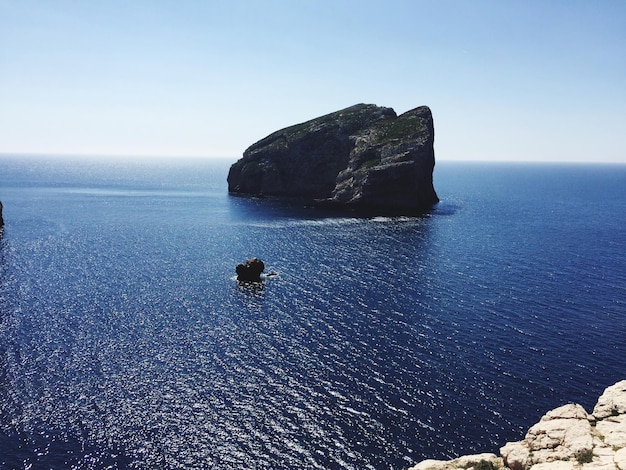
<point x="251" y="270"/>
<point x="363" y="157"/>
<point x="1" y="219"/>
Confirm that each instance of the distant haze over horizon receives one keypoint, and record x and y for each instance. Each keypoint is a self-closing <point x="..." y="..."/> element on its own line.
<point x="232" y="159"/>
<point x="506" y="81"/>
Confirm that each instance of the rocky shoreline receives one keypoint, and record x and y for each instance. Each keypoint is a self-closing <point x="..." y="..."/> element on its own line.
<point x="566" y="438"/>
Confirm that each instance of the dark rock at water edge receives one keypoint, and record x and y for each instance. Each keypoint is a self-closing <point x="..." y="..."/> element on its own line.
<point x="1" y="219"/>
<point x="250" y="271"/>
<point x="362" y="157"/>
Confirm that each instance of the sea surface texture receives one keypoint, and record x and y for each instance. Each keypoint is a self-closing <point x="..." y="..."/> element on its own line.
<point x="126" y="342"/>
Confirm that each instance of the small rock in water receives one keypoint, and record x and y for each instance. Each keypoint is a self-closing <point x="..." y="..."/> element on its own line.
<point x="251" y="270"/>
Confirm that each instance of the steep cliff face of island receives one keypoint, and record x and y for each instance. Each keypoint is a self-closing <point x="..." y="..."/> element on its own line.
<point x="363" y="157"/>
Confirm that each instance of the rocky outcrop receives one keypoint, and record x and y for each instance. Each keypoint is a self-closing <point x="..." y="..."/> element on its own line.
<point x="1" y="219"/>
<point x="250" y="271"/>
<point x="485" y="461"/>
<point x="362" y="157"/>
<point x="566" y="438"/>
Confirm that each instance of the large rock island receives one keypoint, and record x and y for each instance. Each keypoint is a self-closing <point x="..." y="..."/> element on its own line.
<point x="363" y="157"/>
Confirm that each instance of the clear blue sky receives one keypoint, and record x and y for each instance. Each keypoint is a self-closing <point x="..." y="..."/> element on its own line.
<point x="506" y="80"/>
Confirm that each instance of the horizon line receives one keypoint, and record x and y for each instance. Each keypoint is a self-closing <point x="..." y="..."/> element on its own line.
<point x="71" y="155"/>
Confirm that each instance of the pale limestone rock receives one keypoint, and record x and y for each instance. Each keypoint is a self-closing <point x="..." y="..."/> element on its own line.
<point x="620" y="459"/>
<point x="602" y="453"/>
<point x="569" y="411"/>
<point x="556" y="465"/>
<point x="485" y="461"/>
<point x="614" y="430"/>
<point x="610" y="414"/>
<point x="612" y="402"/>
<point x="602" y="459"/>
<point x="430" y="464"/>
<point x="597" y="465"/>
<point x="562" y="433"/>
<point x="516" y="455"/>
<point x="479" y="461"/>
<point x="564" y="439"/>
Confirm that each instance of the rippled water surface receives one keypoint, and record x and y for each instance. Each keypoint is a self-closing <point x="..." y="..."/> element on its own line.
<point x="126" y="342"/>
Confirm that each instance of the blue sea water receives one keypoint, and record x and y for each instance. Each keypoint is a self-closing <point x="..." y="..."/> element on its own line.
<point x="126" y="342"/>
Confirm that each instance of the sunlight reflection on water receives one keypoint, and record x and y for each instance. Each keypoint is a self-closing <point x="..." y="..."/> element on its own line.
<point x="127" y="341"/>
